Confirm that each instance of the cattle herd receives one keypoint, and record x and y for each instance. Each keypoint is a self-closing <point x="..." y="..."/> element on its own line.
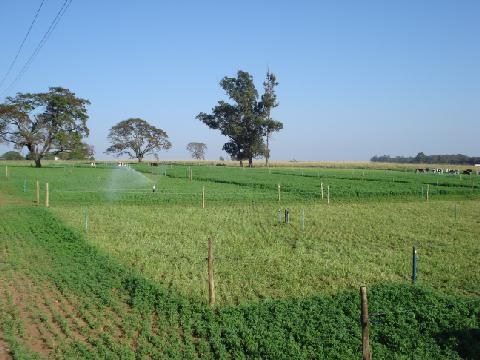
<point x="445" y="171"/>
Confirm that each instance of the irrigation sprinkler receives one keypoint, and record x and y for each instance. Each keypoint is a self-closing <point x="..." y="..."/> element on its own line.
<point x="414" y="265"/>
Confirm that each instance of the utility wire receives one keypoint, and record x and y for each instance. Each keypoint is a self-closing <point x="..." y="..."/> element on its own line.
<point x="42" y="42"/>
<point x="21" y="45"/>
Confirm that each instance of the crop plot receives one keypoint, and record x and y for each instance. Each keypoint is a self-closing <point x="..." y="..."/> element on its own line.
<point x="113" y="268"/>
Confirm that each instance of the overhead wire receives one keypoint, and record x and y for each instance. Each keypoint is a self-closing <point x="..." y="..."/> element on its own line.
<point x="46" y="35"/>
<point x="22" y="43"/>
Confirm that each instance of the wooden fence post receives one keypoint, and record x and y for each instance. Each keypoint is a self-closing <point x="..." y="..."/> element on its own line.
<point x="428" y="189"/>
<point x="47" y="200"/>
<point x="328" y="194"/>
<point x="37" y="193"/>
<point x="6" y="171"/>
<point x="203" y="197"/>
<point x="211" y="284"/>
<point x="278" y="192"/>
<point x="321" y="188"/>
<point x="367" y="355"/>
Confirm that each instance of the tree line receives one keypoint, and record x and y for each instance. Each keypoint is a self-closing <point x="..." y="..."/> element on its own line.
<point x="421" y="158"/>
<point x="54" y="124"/>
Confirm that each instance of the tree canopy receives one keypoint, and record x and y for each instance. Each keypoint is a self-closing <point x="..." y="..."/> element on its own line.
<point x="12" y="155"/>
<point x="197" y="150"/>
<point x="52" y="122"/>
<point x="421" y="158"/>
<point x="137" y="138"/>
<point x="247" y="121"/>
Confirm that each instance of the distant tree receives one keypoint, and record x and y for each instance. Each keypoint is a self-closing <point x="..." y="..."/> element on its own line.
<point x="137" y="139"/>
<point x="197" y="150"/>
<point x="12" y="155"/>
<point x="269" y="101"/>
<point x="82" y="152"/>
<point x="245" y="122"/>
<point x="420" y="158"/>
<point x="52" y="122"/>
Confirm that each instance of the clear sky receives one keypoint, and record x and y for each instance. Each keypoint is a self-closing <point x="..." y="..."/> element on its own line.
<point x="357" y="78"/>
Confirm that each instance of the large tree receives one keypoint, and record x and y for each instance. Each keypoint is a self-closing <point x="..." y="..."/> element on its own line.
<point x="53" y="122"/>
<point x="137" y="138"/>
<point x="197" y="150"/>
<point x="246" y="121"/>
<point x="269" y="101"/>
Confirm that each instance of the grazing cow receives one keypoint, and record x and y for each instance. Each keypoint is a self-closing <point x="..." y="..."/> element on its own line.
<point x="420" y="170"/>
<point x="467" y="172"/>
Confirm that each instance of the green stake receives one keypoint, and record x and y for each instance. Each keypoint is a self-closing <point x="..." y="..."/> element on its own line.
<point x="302" y="220"/>
<point x="85" y="213"/>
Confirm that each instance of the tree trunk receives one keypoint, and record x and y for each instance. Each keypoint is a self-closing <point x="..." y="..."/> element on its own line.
<point x="268" y="150"/>
<point x="140" y="159"/>
<point x="38" y="163"/>
<point x="250" y="162"/>
<point x="241" y="163"/>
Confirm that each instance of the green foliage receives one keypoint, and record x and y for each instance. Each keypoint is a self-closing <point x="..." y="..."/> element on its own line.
<point x="12" y="155"/>
<point x="52" y="122"/>
<point x="421" y="158"/>
<point x="246" y="121"/>
<point x="137" y="139"/>
<point x="137" y="277"/>
<point x="197" y="150"/>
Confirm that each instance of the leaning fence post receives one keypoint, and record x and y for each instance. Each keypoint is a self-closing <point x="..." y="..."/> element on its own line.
<point x="367" y="355"/>
<point x="211" y="284"/>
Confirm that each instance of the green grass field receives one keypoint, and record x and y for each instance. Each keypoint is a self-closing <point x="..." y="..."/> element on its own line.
<point x="114" y="270"/>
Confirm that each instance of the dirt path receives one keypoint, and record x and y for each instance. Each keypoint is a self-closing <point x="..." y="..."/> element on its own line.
<point x="4" y="349"/>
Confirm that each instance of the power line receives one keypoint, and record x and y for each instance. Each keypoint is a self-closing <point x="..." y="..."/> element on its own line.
<point x="42" y="42"/>
<point x="23" y="43"/>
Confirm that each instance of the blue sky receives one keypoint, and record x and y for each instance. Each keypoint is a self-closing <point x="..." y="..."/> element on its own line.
<point x="357" y="78"/>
